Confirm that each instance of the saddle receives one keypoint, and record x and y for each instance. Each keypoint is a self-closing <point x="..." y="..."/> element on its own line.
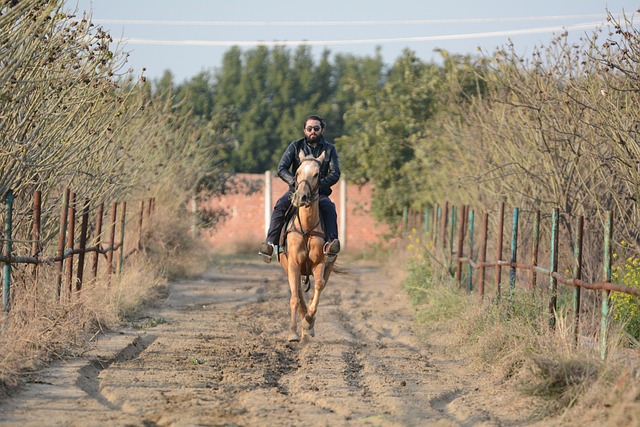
<point x="288" y="219"/>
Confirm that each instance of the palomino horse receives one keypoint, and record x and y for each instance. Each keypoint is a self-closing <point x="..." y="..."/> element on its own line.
<point x="304" y="248"/>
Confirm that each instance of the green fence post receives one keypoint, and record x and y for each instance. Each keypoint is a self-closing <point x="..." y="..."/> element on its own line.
<point x="553" y="282"/>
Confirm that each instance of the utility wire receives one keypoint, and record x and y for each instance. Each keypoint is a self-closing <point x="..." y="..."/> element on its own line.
<point x="504" y="33"/>
<point x="345" y="23"/>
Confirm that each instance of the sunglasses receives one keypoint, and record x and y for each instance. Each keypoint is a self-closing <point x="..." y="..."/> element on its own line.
<point x="316" y="128"/>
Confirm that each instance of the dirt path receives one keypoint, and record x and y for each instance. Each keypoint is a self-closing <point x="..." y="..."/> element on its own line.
<point x="215" y="354"/>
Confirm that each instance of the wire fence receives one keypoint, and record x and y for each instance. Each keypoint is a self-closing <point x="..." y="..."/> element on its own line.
<point x="77" y="236"/>
<point x="452" y="233"/>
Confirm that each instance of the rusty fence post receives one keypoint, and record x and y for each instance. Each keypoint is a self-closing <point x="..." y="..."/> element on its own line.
<point x="6" y="268"/>
<point x="577" y="274"/>
<point x="437" y="214"/>
<point x="514" y="257"/>
<point x="123" y="222"/>
<point x="483" y="253"/>
<point x="112" y="238"/>
<point x="98" y="243"/>
<point x="427" y="215"/>
<point x="61" y="240"/>
<point x="471" y="243"/>
<point x="499" y="250"/>
<point x="35" y="230"/>
<point x="71" y="227"/>
<point x="553" y="268"/>
<point x="604" y="321"/>
<point x="82" y="245"/>
<point x="535" y="250"/>
<point x="140" y="220"/>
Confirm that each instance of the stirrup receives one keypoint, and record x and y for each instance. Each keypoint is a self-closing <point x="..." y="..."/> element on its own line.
<point x="331" y="250"/>
<point x="266" y="252"/>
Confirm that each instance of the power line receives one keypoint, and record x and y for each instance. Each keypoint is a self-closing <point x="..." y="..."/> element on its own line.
<point x="227" y="43"/>
<point x="344" y="23"/>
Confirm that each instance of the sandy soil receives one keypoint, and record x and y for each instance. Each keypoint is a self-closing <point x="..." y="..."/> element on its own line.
<point x="215" y="354"/>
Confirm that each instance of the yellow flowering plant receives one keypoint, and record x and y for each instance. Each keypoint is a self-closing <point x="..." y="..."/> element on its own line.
<point x="626" y="307"/>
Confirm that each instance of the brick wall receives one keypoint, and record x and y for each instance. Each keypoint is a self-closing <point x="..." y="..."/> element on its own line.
<point x="243" y="228"/>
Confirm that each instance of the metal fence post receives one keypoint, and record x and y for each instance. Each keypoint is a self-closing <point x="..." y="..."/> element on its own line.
<point x="514" y="257"/>
<point x="35" y="231"/>
<point x="71" y="226"/>
<point x="460" y="249"/>
<point x="604" y="322"/>
<point x="123" y="222"/>
<point x="471" y="233"/>
<point x="535" y="250"/>
<point x="499" y="249"/>
<point x="61" y="240"/>
<point x="98" y="243"/>
<point x="112" y="238"/>
<point x="6" y="268"/>
<point x="553" y="282"/>
<point x="82" y="245"/>
<point x="483" y="253"/>
<point x="577" y="274"/>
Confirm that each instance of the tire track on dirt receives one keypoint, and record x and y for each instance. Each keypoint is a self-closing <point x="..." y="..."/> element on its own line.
<point x="220" y="357"/>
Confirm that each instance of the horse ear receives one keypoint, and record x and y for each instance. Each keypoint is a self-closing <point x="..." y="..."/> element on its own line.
<point x="321" y="157"/>
<point x="301" y="156"/>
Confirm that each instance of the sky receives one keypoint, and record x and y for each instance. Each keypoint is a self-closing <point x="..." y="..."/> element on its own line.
<point x="191" y="36"/>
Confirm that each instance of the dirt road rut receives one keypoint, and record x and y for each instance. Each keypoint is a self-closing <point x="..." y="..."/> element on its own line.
<point x="215" y="354"/>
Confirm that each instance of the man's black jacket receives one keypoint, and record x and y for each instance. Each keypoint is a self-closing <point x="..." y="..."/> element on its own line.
<point x="329" y="170"/>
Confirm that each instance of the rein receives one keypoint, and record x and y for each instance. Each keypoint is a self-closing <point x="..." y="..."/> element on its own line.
<point x="314" y="194"/>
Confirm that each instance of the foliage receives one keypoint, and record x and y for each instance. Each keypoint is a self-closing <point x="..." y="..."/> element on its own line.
<point x="261" y="97"/>
<point x="398" y="141"/>
<point x="69" y="117"/>
<point x="626" y="307"/>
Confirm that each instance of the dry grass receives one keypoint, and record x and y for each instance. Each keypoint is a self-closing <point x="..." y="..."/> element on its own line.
<point x="42" y="326"/>
<point x="519" y="348"/>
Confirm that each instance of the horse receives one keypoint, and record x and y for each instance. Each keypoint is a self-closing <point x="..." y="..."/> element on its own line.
<point x="303" y="254"/>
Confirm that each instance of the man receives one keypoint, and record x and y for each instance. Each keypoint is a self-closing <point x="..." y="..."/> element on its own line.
<point x="315" y="144"/>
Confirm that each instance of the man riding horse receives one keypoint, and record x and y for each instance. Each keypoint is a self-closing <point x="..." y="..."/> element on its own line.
<point x="312" y="144"/>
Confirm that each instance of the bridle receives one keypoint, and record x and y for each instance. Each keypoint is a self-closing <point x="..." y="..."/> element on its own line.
<point x="313" y="192"/>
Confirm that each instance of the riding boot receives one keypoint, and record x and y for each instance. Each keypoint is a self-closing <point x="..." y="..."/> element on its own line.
<point x="266" y="252"/>
<point x="331" y="250"/>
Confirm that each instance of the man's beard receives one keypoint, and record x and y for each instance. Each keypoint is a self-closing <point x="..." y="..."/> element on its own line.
<point x="313" y="138"/>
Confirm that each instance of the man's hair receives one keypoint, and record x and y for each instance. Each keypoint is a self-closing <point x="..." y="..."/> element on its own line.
<point x="314" y="117"/>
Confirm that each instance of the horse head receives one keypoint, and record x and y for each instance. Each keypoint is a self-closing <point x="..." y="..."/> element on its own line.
<point x="307" y="180"/>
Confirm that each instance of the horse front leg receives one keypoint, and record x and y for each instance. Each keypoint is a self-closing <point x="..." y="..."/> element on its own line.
<point x="293" y="275"/>
<point x="319" y="283"/>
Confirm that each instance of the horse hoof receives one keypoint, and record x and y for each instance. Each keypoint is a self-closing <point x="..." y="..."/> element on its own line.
<point x="308" y="322"/>
<point x="307" y="332"/>
<point x="293" y="337"/>
<point x="308" y="325"/>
